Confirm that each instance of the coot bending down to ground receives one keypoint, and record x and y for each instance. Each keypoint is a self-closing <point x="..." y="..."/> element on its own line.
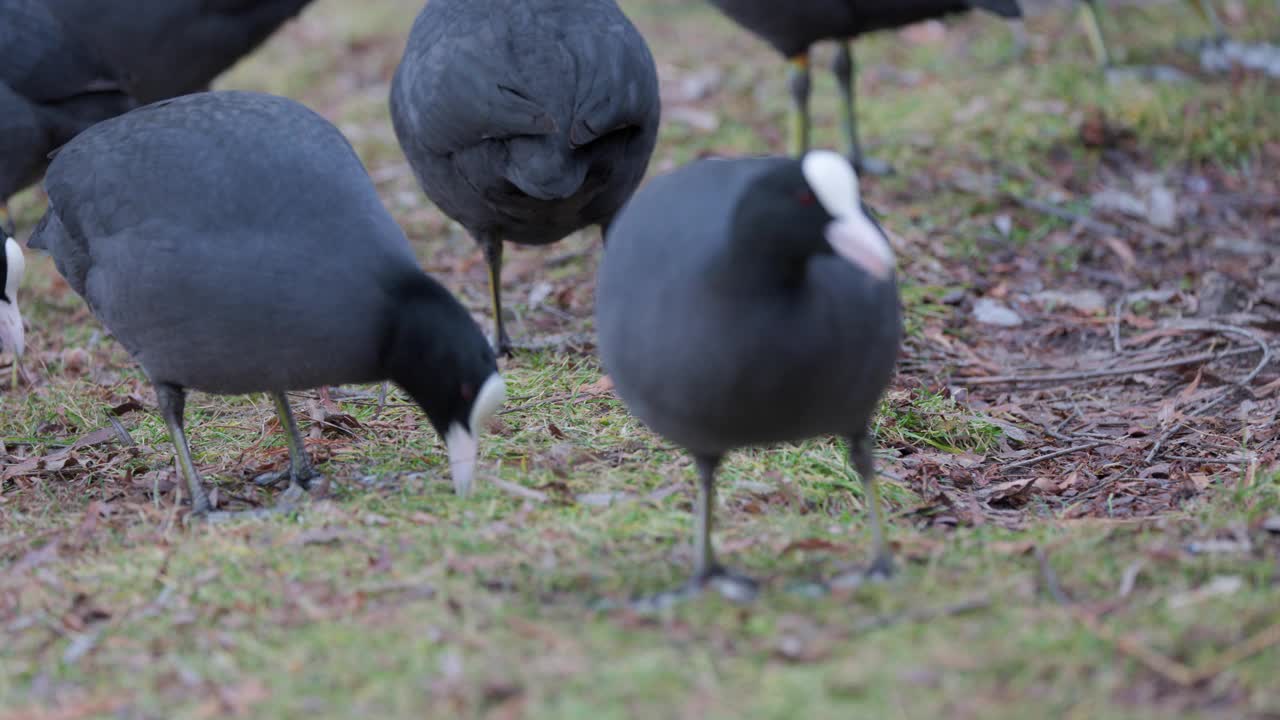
<point x="747" y="302"/>
<point x="525" y="120"/>
<point x="12" y="265"/>
<point x="233" y="243"/>
<point x="793" y="27"/>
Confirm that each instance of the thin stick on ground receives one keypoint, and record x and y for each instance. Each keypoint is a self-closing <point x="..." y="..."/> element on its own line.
<point x="1054" y="454"/>
<point x="1107" y="372"/>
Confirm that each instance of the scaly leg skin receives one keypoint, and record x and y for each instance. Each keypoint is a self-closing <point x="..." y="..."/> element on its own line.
<point x="493" y="255"/>
<point x="1091" y="20"/>
<point x="1021" y="42"/>
<point x="708" y="573"/>
<point x="881" y="567"/>
<point x="1210" y="15"/>
<point x="844" y="69"/>
<point x="800" y="87"/>
<point x="300" y="472"/>
<point x="173" y="401"/>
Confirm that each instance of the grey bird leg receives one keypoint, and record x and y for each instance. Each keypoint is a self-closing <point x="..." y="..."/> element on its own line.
<point x="844" y="69"/>
<point x="382" y="397"/>
<point x="1210" y="14"/>
<point x="708" y="572"/>
<point x="800" y="87"/>
<point x="300" y="472"/>
<point x="881" y="567"/>
<point x="493" y="255"/>
<point x="173" y="401"/>
<point x="1091" y="19"/>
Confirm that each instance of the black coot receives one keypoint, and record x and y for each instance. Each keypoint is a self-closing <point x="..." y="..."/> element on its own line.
<point x="793" y="27"/>
<point x="233" y="243"/>
<point x="747" y="302"/>
<point x="525" y="120"/>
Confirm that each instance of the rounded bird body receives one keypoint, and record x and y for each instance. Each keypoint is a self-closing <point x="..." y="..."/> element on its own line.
<point x="747" y="302"/>
<point x="233" y="242"/>
<point x="51" y="87"/>
<point x="712" y="343"/>
<point x="794" y="26"/>
<point x="528" y="120"/>
<point x="69" y="64"/>
<point x="165" y="48"/>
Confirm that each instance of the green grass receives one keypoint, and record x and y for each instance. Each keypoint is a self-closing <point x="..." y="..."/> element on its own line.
<point x="391" y="597"/>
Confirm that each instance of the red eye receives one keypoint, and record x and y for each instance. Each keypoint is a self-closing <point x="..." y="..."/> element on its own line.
<point x="805" y="198"/>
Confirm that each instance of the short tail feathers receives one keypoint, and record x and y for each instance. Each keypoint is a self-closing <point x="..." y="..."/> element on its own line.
<point x="1003" y="8"/>
<point x="37" y="239"/>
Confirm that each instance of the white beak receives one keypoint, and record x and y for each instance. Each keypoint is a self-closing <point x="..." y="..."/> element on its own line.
<point x="462" y="442"/>
<point x="852" y="234"/>
<point x="857" y="240"/>
<point x="462" y="458"/>
<point x="11" y="335"/>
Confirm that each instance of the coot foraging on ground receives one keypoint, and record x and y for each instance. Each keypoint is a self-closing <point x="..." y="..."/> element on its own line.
<point x="233" y="243"/>
<point x="746" y="302"/>
<point x="793" y="27"/>
<point x="525" y="120"/>
<point x="12" y="265"/>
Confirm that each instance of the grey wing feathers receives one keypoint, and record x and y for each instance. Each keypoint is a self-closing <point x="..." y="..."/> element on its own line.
<point x="453" y="95"/>
<point x="1003" y="8"/>
<point x="613" y="95"/>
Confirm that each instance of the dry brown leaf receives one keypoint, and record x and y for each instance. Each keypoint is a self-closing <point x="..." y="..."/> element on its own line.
<point x="1010" y="491"/>
<point x="812" y="545"/>
<point x="603" y="386"/>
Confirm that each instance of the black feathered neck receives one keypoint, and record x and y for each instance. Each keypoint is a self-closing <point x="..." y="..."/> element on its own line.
<point x="776" y="226"/>
<point x="434" y="350"/>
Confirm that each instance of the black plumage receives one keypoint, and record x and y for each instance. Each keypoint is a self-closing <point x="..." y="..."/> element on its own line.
<point x="51" y="88"/>
<point x="746" y="302"/>
<point x="793" y="27"/>
<point x="233" y="243"/>
<point x="525" y="120"/>
<point x="71" y="63"/>
<point x="164" y="48"/>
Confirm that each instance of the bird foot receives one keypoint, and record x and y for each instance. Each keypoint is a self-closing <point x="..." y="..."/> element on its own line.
<point x="271" y="479"/>
<point x="872" y="166"/>
<point x="732" y="586"/>
<point x="1145" y="74"/>
<point x="849" y="578"/>
<point x="502" y="345"/>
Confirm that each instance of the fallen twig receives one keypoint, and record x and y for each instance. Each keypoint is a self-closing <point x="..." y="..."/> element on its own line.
<point x="519" y="490"/>
<point x="1054" y="454"/>
<point x="1106" y="372"/>
<point x="877" y="622"/>
<point x="1168" y="668"/>
<point x="1049" y="579"/>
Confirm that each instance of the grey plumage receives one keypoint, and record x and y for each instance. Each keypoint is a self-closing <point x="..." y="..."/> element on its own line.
<point x="793" y="27"/>
<point x="726" y="320"/>
<point x="50" y="89"/>
<point x="526" y="120"/>
<point x="233" y="243"/>
<point x="165" y="48"/>
<point x="71" y="63"/>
